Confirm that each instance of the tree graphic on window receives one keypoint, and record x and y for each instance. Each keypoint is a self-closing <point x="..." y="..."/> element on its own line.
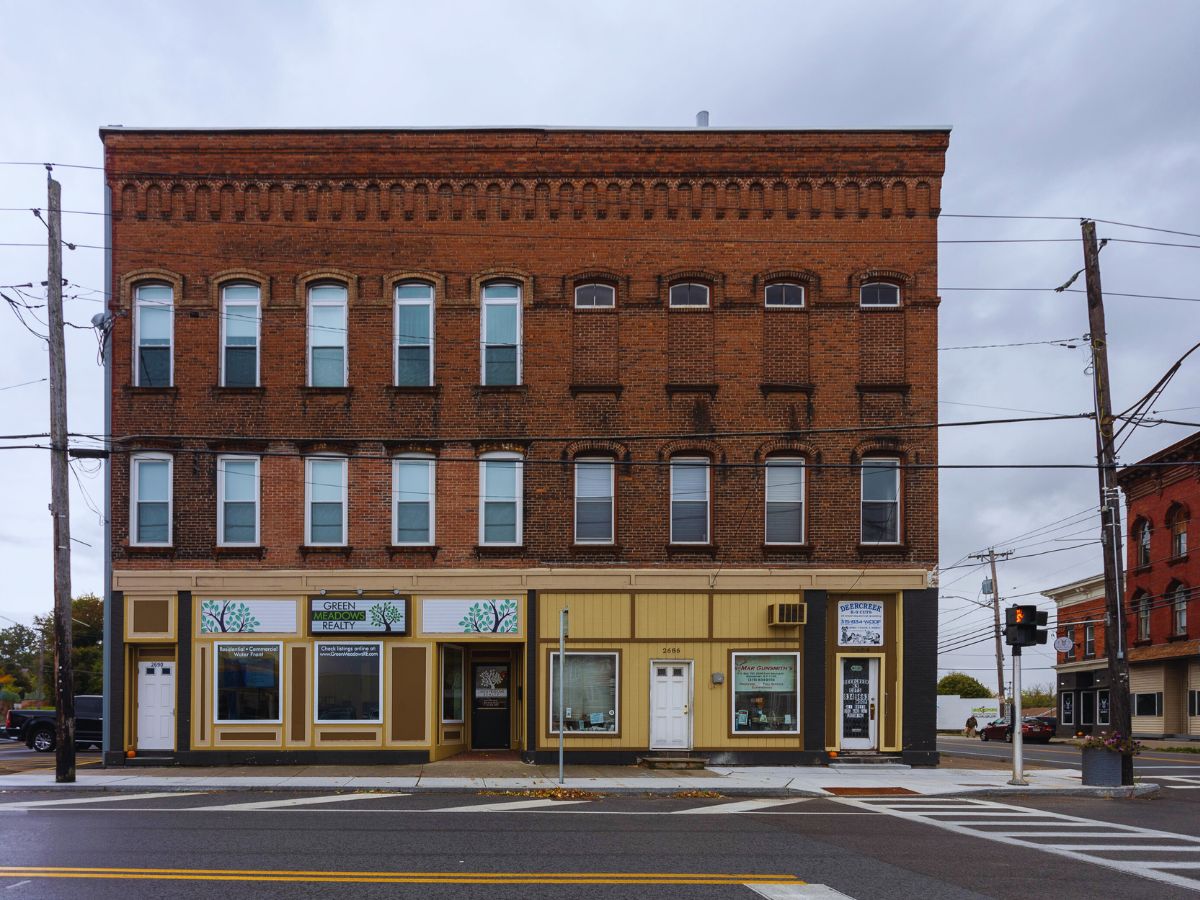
<point x="491" y="617"/>
<point x="226" y="616"/>
<point x="384" y="615"/>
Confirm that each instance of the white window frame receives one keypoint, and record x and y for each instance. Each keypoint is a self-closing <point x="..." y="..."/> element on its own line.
<point x="733" y="694"/>
<point x="595" y="462"/>
<point x="221" y="461"/>
<point x="899" y="295"/>
<point x="782" y="462"/>
<point x="1179" y="601"/>
<point x="696" y="462"/>
<point x="344" y="303"/>
<point x="671" y="304"/>
<point x="500" y="456"/>
<point x="226" y="303"/>
<point x="803" y="295"/>
<point x="216" y="688"/>
<point x="1142" y="543"/>
<point x="485" y="304"/>
<point x="134" y="462"/>
<point x="552" y="706"/>
<point x="894" y="463"/>
<point x="308" y="485"/>
<point x="431" y="468"/>
<point x="398" y="302"/>
<point x="138" y="304"/>
<point x="595" y="284"/>
<point x="317" y="684"/>
<point x="442" y="682"/>
<point x="1143" y="619"/>
<point x="1178" y="527"/>
<point x="1089" y="640"/>
<point x="1068" y="716"/>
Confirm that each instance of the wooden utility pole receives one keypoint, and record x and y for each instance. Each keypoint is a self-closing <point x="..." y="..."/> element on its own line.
<point x="60" y="505"/>
<point x="1110" y="502"/>
<point x="991" y="556"/>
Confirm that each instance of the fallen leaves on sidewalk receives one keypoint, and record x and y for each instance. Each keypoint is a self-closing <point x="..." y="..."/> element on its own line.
<point x="546" y="794"/>
<point x="695" y="795"/>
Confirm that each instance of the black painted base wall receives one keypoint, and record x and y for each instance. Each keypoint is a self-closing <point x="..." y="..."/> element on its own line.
<point x="714" y="757"/>
<point x="919" y="738"/>
<point x="285" y="758"/>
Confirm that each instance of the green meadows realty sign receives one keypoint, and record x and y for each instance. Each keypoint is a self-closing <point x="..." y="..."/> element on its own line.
<point x="347" y="615"/>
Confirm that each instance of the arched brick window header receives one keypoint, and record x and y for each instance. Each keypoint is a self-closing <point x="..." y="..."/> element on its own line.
<point x="327" y="276"/>
<point x="132" y="279"/>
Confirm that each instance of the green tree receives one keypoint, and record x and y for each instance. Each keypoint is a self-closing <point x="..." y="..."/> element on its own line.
<point x="963" y="685"/>
<point x="1038" y="695"/>
<point x="19" y="646"/>
<point x="87" y="638"/>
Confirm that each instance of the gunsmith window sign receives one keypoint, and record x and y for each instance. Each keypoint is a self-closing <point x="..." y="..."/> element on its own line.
<point x="860" y="623"/>
<point x="354" y="615"/>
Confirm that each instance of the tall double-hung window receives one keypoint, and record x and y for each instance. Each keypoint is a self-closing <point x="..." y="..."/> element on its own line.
<point x="500" y="498"/>
<point x="593" y="501"/>
<point x="150" y="501"/>
<point x="327" y="335"/>
<point x="785" y="500"/>
<point x="413" y="500"/>
<point x="325" y="501"/>
<point x="154" y="327"/>
<point x="881" y="500"/>
<point x="501" y="333"/>
<point x="237" y="500"/>
<point x="414" y="334"/>
<point x="690" y="509"/>
<point x="240" y="327"/>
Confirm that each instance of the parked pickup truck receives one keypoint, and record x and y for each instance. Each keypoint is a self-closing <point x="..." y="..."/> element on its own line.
<point x="35" y="727"/>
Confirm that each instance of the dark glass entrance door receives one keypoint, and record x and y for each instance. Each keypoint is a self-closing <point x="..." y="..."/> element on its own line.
<point x="490" y="693"/>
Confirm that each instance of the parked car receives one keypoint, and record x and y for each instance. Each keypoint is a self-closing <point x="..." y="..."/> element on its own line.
<point x="1034" y="730"/>
<point x="35" y="728"/>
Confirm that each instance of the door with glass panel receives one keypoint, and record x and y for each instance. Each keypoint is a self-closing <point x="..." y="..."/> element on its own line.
<point x="860" y="703"/>
<point x="670" y="705"/>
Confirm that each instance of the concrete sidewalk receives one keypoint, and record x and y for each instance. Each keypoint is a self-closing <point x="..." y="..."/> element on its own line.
<point x="835" y="780"/>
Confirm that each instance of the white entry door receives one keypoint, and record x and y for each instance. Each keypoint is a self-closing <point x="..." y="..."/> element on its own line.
<point x="860" y="703"/>
<point x="670" y="705"/>
<point x="156" y="706"/>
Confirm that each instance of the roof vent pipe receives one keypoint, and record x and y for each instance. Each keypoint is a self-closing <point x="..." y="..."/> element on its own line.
<point x="702" y="119"/>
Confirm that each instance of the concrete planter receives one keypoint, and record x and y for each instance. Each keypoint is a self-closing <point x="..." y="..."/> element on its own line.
<point x="1101" y="768"/>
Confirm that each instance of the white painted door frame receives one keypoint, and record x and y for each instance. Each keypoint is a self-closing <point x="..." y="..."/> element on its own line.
<point x="874" y="708"/>
<point x="687" y="705"/>
<point x="156" y="705"/>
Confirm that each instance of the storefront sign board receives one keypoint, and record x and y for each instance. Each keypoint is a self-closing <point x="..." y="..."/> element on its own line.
<point x="356" y="615"/>
<point x="860" y="623"/>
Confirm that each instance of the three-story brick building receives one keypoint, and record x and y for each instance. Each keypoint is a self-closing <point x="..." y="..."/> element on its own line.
<point x="384" y="402"/>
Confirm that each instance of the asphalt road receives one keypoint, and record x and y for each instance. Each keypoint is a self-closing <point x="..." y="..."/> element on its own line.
<point x="375" y="845"/>
<point x="15" y="757"/>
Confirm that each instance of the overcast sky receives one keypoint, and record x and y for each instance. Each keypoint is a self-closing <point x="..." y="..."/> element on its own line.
<point x="1071" y="109"/>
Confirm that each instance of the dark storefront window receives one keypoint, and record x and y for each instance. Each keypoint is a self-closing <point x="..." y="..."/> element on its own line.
<point x="1147" y="704"/>
<point x="589" y="692"/>
<point x="349" y="682"/>
<point x="248" y="677"/>
<point x="1102" y="707"/>
<point x="452" y="684"/>
<point x="764" y="692"/>
<point x="1068" y="709"/>
<point x="1087" y="708"/>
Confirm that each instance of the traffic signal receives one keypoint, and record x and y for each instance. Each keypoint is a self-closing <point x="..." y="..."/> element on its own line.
<point x="1024" y="626"/>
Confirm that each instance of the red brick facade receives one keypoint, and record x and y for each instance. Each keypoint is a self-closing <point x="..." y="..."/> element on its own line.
<point x="640" y="382"/>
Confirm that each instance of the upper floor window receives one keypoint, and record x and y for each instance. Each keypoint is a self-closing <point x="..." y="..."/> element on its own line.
<point x="881" y="500"/>
<point x="878" y="293"/>
<point x="327" y="333"/>
<point x="325" y="501"/>
<point x="785" y="500"/>
<point x="154" y="325"/>
<point x="595" y="296"/>
<point x="150" y="503"/>
<point x="1179" y="601"/>
<point x="413" y="500"/>
<point x="690" y="508"/>
<point x="500" y="497"/>
<point x="785" y="294"/>
<point x="689" y="293"/>
<point x="240" y="326"/>
<point x="593" y="501"/>
<point x="501" y="333"/>
<point x="237" y="500"/>
<point x="1069" y="634"/>
<point x="1089" y="640"/>
<point x="1177" y="521"/>
<point x="1143" y="618"/>
<point x="414" y="334"/>
<point x="1141" y="535"/>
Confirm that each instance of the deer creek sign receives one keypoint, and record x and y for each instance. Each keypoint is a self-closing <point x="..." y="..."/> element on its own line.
<point x="354" y="615"/>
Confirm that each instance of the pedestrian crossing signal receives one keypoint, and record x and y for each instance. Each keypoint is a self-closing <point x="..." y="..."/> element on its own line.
<point x="1024" y="626"/>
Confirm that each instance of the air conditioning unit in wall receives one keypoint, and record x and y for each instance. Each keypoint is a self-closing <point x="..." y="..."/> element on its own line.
<point x="786" y="615"/>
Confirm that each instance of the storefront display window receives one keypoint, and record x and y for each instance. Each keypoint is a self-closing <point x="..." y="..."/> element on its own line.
<point x="765" y="696"/>
<point x="452" y="684"/>
<point x="247" y="680"/>
<point x="590" y="692"/>
<point x="349" y="681"/>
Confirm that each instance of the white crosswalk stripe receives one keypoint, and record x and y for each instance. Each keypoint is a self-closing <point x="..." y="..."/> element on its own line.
<point x="293" y="801"/>
<point x="107" y="798"/>
<point x="737" y="806"/>
<point x="509" y="806"/>
<point x="1178" y="782"/>
<point x="1055" y="833"/>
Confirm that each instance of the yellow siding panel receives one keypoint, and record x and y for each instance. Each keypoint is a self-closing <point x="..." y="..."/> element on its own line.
<point x="745" y="615"/>
<point x="674" y="616"/>
<point x="592" y="616"/>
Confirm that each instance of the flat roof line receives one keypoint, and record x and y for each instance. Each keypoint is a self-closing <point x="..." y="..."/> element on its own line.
<point x="389" y="129"/>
